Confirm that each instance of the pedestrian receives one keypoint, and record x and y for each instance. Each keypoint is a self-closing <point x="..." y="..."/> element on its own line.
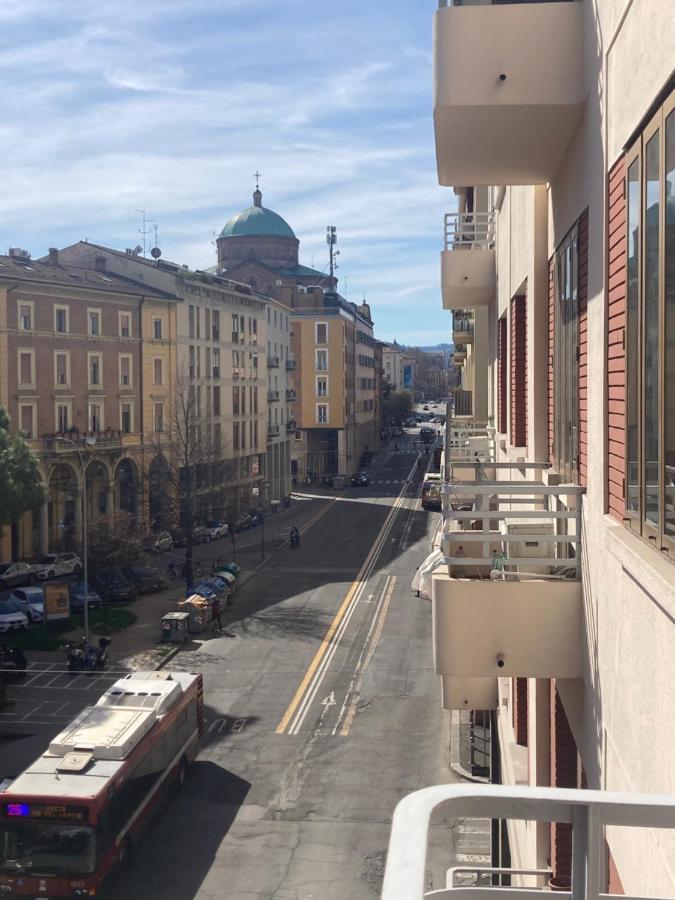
<point x="216" y="610"/>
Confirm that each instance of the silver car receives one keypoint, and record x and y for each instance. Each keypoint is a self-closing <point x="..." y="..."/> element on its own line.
<point x="56" y="565"/>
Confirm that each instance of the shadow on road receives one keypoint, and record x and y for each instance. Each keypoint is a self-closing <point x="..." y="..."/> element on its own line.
<point x="173" y="861"/>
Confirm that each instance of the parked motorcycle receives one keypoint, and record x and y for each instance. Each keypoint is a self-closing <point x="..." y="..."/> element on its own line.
<point x="83" y="657"/>
<point x="295" y="538"/>
<point x="13" y="662"/>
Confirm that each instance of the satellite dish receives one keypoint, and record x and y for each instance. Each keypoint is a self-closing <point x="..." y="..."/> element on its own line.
<point x="155" y="253"/>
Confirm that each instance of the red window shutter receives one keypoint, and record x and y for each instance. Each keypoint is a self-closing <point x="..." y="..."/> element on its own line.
<point x="502" y="379"/>
<point x="616" y="351"/>
<point x="564" y="765"/>
<point x="519" y="371"/>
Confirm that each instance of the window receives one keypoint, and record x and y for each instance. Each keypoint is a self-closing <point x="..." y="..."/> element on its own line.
<point x="321" y="387"/>
<point x="502" y="381"/>
<point x="95" y="370"/>
<point x="235" y="435"/>
<point x="322" y="360"/>
<point x="207" y="361"/>
<point x="243" y="435"/>
<point x="217" y="437"/>
<point x="63" y="417"/>
<point x="255" y="401"/>
<point x="207" y="323"/>
<point x="158" y="371"/>
<point x="192" y="361"/>
<point x="243" y="401"/>
<point x="27" y="419"/>
<point x="650" y="332"/>
<point x="159" y="417"/>
<point x="191" y="322"/>
<point x="197" y="321"/>
<point x="235" y="364"/>
<point x="322" y="414"/>
<point x="25" y="316"/>
<point x="215" y="363"/>
<point x="125" y="370"/>
<point x="61" y="319"/>
<point x="275" y="318"/>
<point x="565" y="356"/>
<point x="157" y="329"/>
<point x="235" y="400"/>
<point x="125" y="324"/>
<point x="216" y="400"/>
<point x="255" y="433"/>
<point x="26" y="368"/>
<point x="95" y="417"/>
<point x="215" y="325"/>
<point x="94" y="322"/>
<point x="321" y="332"/>
<point x="126" y="418"/>
<point x="62" y="369"/>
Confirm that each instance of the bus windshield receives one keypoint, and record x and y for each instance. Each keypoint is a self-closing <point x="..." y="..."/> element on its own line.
<point x="47" y="848"/>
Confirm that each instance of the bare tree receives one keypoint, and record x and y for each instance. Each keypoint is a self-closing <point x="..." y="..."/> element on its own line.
<point x="192" y="450"/>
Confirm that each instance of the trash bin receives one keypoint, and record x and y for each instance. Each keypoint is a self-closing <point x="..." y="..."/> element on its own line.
<point x="199" y="611"/>
<point x="274" y="505"/>
<point x="175" y="627"/>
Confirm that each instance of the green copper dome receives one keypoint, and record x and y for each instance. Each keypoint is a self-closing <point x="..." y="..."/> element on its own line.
<point x="256" y="220"/>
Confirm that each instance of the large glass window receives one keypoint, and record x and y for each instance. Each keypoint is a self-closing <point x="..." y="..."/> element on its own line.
<point x="566" y="357"/>
<point x="650" y="331"/>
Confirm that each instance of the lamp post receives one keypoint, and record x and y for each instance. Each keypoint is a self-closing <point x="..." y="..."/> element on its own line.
<point x="90" y="440"/>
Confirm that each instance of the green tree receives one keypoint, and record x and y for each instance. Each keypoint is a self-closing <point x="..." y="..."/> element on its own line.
<point x="20" y="484"/>
<point x="395" y="407"/>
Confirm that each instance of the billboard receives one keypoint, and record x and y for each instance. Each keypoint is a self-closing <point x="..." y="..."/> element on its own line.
<point x="407" y="376"/>
<point x="57" y="601"/>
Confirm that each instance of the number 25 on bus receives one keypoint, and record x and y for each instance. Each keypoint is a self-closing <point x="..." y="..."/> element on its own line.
<point x="70" y="820"/>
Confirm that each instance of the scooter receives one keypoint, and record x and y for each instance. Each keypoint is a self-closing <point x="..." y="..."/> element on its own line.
<point x="13" y="663"/>
<point x="85" y="657"/>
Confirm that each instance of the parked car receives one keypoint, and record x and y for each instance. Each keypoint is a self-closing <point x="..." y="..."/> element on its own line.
<point x="327" y="481"/>
<point x="257" y="517"/>
<point x="411" y="422"/>
<point x="56" y="565"/>
<point x="217" y="530"/>
<point x="30" y="601"/>
<point x="77" y="596"/>
<point x="242" y="523"/>
<point x="16" y="574"/>
<point x="11" y="619"/>
<point x="159" y="542"/>
<point x="360" y="479"/>
<point x="145" y="579"/>
<point x="113" y="586"/>
<point x="200" y="535"/>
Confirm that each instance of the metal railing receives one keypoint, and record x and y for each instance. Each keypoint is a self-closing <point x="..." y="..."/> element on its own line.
<point x="272" y="430"/>
<point x="588" y="812"/>
<point x="517" y="517"/>
<point x="291" y="395"/>
<point x="290" y="365"/>
<point x="469" y="231"/>
<point x="272" y="396"/>
<point x="272" y="362"/>
<point x="469" y="443"/>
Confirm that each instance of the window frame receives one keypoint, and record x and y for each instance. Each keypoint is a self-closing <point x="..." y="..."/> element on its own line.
<point x="653" y="532"/>
<point x="61" y="307"/>
<point x="68" y="404"/>
<point x="32" y="405"/>
<point x="320" y="406"/>
<point x="67" y="383"/>
<point x="91" y="384"/>
<point x="566" y="351"/>
<point x="31" y="306"/>
<point x="127" y="401"/>
<point x="26" y="385"/>
<point x="101" y="405"/>
<point x="129" y="357"/>
<point x="158" y="405"/>
<point x="94" y="310"/>
<point x="323" y="378"/>
<point x="317" y="367"/>
<point x="160" y="360"/>
<point x="157" y="320"/>
<point x="121" y="315"/>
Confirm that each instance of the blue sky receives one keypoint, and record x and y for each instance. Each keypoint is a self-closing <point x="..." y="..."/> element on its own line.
<point x="171" y="106"/>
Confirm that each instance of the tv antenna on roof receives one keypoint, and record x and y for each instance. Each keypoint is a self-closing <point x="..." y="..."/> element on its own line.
<point x="143" y="230"/>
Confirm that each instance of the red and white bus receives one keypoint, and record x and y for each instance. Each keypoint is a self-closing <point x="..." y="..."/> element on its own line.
<point x="71" y="819"/>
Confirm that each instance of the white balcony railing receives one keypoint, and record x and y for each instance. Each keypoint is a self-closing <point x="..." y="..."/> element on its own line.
<point x="588" y="812"/>
<point x="470" y="231"/>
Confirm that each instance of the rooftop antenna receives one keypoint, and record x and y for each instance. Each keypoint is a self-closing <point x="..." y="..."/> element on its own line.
<point x="143" y="230"/>
<point x="331" y="240"/>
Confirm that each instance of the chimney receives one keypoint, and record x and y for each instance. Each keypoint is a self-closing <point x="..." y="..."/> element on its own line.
<point x="99" y="263"/>
<point x="53" y="256"/>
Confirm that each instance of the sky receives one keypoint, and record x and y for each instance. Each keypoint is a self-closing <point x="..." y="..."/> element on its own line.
<point x="170" y="107"/>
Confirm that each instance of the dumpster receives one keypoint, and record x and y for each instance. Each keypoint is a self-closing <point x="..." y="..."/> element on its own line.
<point x="232" y="568"/>
<point x="175" y="627"/>
<point x="199" y="610"/>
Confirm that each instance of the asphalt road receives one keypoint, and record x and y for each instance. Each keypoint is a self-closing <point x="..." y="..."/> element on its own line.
<point x="322" y="712"/>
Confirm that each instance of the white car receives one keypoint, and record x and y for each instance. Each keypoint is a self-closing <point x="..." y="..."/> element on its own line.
<point x="10" y="619"/>
<point x="56" y="565"/>
<point x="217" y="530"/>
<point x="30" y="601"/>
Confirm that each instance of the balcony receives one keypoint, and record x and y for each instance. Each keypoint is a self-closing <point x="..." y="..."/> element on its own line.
<point x="468" y="273"/>
<point x="508" y="89"/>
<point x="290" y="364"/>
<point x="272" y="362"/>
<point x="291" y="396"/>
<point x="462" y="329"/>
<point x="463" y="404"/>
<point x="291" y="426"/>
<point x="272" y="396"/>
<point x="508" y="599"/>
<point x="272" y="431"/>
<point x="460" y="353"/>
<point x="413" y="854"/>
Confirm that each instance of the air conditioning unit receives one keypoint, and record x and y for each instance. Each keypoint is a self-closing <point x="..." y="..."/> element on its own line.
<point x="530" y="548"/>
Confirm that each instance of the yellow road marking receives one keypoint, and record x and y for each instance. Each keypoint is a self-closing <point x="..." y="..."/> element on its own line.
<point x="356" y="585"/>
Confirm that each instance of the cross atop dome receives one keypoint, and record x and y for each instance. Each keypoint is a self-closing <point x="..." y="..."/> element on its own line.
<point x="257" y="193"/>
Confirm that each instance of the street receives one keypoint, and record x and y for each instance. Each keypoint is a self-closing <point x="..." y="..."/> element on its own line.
<point x="322" y="711"/>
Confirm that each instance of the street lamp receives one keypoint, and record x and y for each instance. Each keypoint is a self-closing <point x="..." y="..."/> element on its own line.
<point x="89" y="440"/>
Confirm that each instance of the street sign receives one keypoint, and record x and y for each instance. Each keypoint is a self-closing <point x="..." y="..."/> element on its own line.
<point x="57" y="601"/>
